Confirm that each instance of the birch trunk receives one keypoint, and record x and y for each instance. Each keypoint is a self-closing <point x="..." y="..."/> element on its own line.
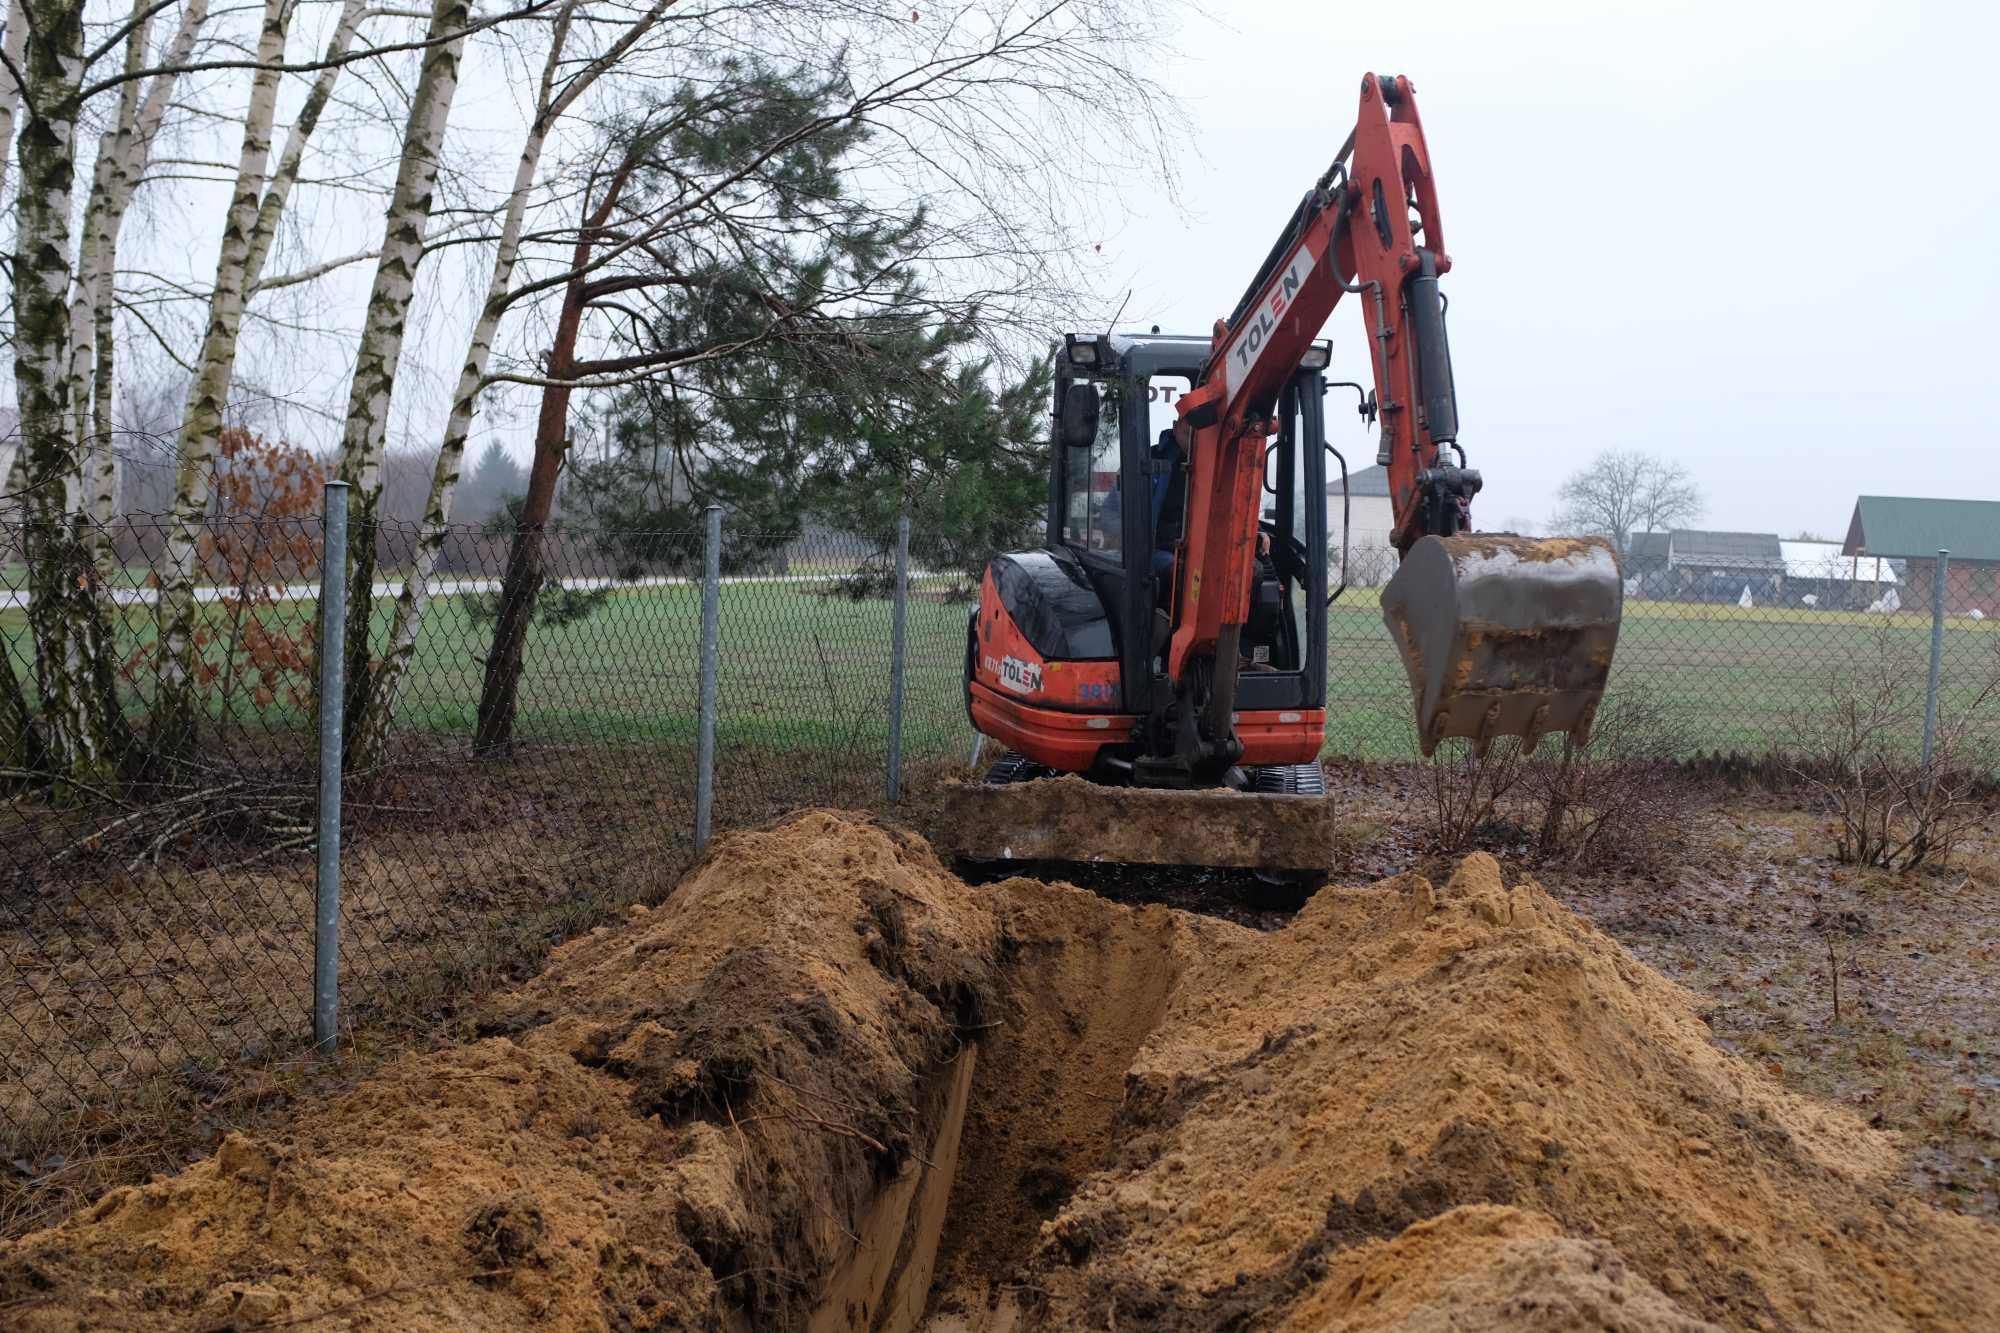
<point x="414" y="599"/>
<point x="381" y="345"/>
<point x="249" y="230"/>
<point x="90" y="307"/>
<point x="272" y="210"/>
<point x="132" y="149"/>
<point x="76" y="687"/>
<point x="13" y="43"/>
<point x="13" y="472"/>
<point x="174" y="711"/>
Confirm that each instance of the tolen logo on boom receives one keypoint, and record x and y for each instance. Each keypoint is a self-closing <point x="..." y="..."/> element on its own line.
<point x="1257" y="331"/>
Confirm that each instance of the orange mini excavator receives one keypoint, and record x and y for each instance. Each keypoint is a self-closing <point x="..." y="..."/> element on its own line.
<point x="1170" y="639"/>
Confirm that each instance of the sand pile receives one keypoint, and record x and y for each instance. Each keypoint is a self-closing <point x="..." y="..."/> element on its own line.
<point x="1466" y="1108"/>
<point x="1413" y="1108"/>
<point x="681" y="1124"/>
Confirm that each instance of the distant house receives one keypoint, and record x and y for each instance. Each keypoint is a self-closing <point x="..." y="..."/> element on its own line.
<point x="1718" y="566"/>
<point x="1917" y="529"/>
<point x="1834" y="579"/>
<point x="1370" y="559"/>
<point x="1645" y="553"/>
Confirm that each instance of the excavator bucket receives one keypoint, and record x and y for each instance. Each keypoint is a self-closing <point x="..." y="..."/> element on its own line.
<point x="1504" y="635"/>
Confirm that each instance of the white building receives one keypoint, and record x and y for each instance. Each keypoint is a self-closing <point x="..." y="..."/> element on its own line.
<point x="1823" y="562"/>
<point x="1370" y="519"/>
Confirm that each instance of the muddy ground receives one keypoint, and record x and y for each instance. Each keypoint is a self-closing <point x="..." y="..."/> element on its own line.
<point x="827" y="1085"/>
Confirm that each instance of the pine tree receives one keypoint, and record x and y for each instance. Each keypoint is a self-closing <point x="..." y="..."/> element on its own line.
<point x="494" y="480"/>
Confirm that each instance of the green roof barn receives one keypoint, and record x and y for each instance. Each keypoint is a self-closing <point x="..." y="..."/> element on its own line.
<point x="1917" y="529"/>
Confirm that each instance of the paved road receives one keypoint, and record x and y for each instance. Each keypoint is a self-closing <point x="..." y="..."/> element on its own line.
<point x="16" y="599"/>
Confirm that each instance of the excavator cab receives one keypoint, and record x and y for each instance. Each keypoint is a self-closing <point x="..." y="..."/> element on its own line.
<point x="1118" y="516"/>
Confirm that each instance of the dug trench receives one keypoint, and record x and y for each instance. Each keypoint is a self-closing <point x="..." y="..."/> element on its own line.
<point x="828" y="1086"/>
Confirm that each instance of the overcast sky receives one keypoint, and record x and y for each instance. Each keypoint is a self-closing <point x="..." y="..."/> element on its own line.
<point x="1756" y="237"/>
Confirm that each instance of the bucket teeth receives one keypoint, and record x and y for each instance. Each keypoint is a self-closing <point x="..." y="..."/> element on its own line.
<point x="1505" y="636"/>
<point x="1489" y="727"/>
<point x="1537" y="725"/>
<point x="1585" y="721"/>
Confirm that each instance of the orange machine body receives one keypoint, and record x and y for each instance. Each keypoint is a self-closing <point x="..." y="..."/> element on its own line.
<point x="1067" y="714"/>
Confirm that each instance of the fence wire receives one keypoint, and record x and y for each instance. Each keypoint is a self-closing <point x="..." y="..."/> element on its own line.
<point x="1741" y="659"/>
<point x="156" y="927"/>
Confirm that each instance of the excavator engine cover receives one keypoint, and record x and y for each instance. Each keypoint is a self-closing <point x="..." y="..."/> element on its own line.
<point x="1504" y="635"/>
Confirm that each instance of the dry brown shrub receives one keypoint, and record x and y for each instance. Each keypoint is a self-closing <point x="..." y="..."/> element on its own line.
<point x="1853" y="744"/>
<point x="1468" y="787"/>
<point x="1618" y="799"/>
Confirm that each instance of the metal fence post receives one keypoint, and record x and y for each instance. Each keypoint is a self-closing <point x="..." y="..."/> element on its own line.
<point x="898" y="620"/>
<point x="1939" y="573"/>
<point x="332" y="716"/>
<point x="711" y="606"/>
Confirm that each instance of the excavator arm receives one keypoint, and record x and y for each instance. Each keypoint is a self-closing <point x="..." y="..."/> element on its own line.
<point x="1370" y="228"/>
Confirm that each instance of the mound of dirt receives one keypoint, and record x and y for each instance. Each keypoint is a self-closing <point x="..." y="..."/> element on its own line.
<point x="1468" y="1108"/>
<point x="825" y="1071"/>
<point x="684" y="1122"/>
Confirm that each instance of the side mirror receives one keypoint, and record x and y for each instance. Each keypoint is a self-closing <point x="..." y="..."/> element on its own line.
<point x="1078" y="423"/>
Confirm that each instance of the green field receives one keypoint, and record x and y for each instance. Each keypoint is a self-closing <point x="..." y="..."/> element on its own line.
<point x="1737" y="677"/>
<point x="804" y="670"/>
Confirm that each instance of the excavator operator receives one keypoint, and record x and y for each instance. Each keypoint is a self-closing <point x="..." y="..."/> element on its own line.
<point x="1169" y="503"/>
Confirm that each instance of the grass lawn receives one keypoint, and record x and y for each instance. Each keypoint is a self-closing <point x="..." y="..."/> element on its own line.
<point x="1737" y="675"/>
<point x="804" y="670"/>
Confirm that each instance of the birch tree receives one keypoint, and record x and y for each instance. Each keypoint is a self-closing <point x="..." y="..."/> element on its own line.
<point x="256" y="207"/>
<point x="381" y="346"/>
<point x="552" y="101"/>
<point x="84" y="732"/>
<point x="12" y="44"/>
<point x="122" y="156"/>
<point x="92" y="278"/>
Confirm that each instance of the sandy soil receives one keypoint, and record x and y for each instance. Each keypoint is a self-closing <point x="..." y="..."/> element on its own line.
<point x="1755" y="916"/>
<point x="680" y="1123"/>
<point x="1321" y="1108"/>
<point x="1414" y="1106"/>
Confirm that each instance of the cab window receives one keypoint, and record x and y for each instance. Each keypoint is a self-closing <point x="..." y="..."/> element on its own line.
<point x="1091" y="501"/>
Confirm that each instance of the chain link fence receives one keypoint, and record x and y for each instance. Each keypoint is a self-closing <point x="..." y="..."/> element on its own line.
<point x="157" y="928"/>
<point x="1740" y="659"/>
